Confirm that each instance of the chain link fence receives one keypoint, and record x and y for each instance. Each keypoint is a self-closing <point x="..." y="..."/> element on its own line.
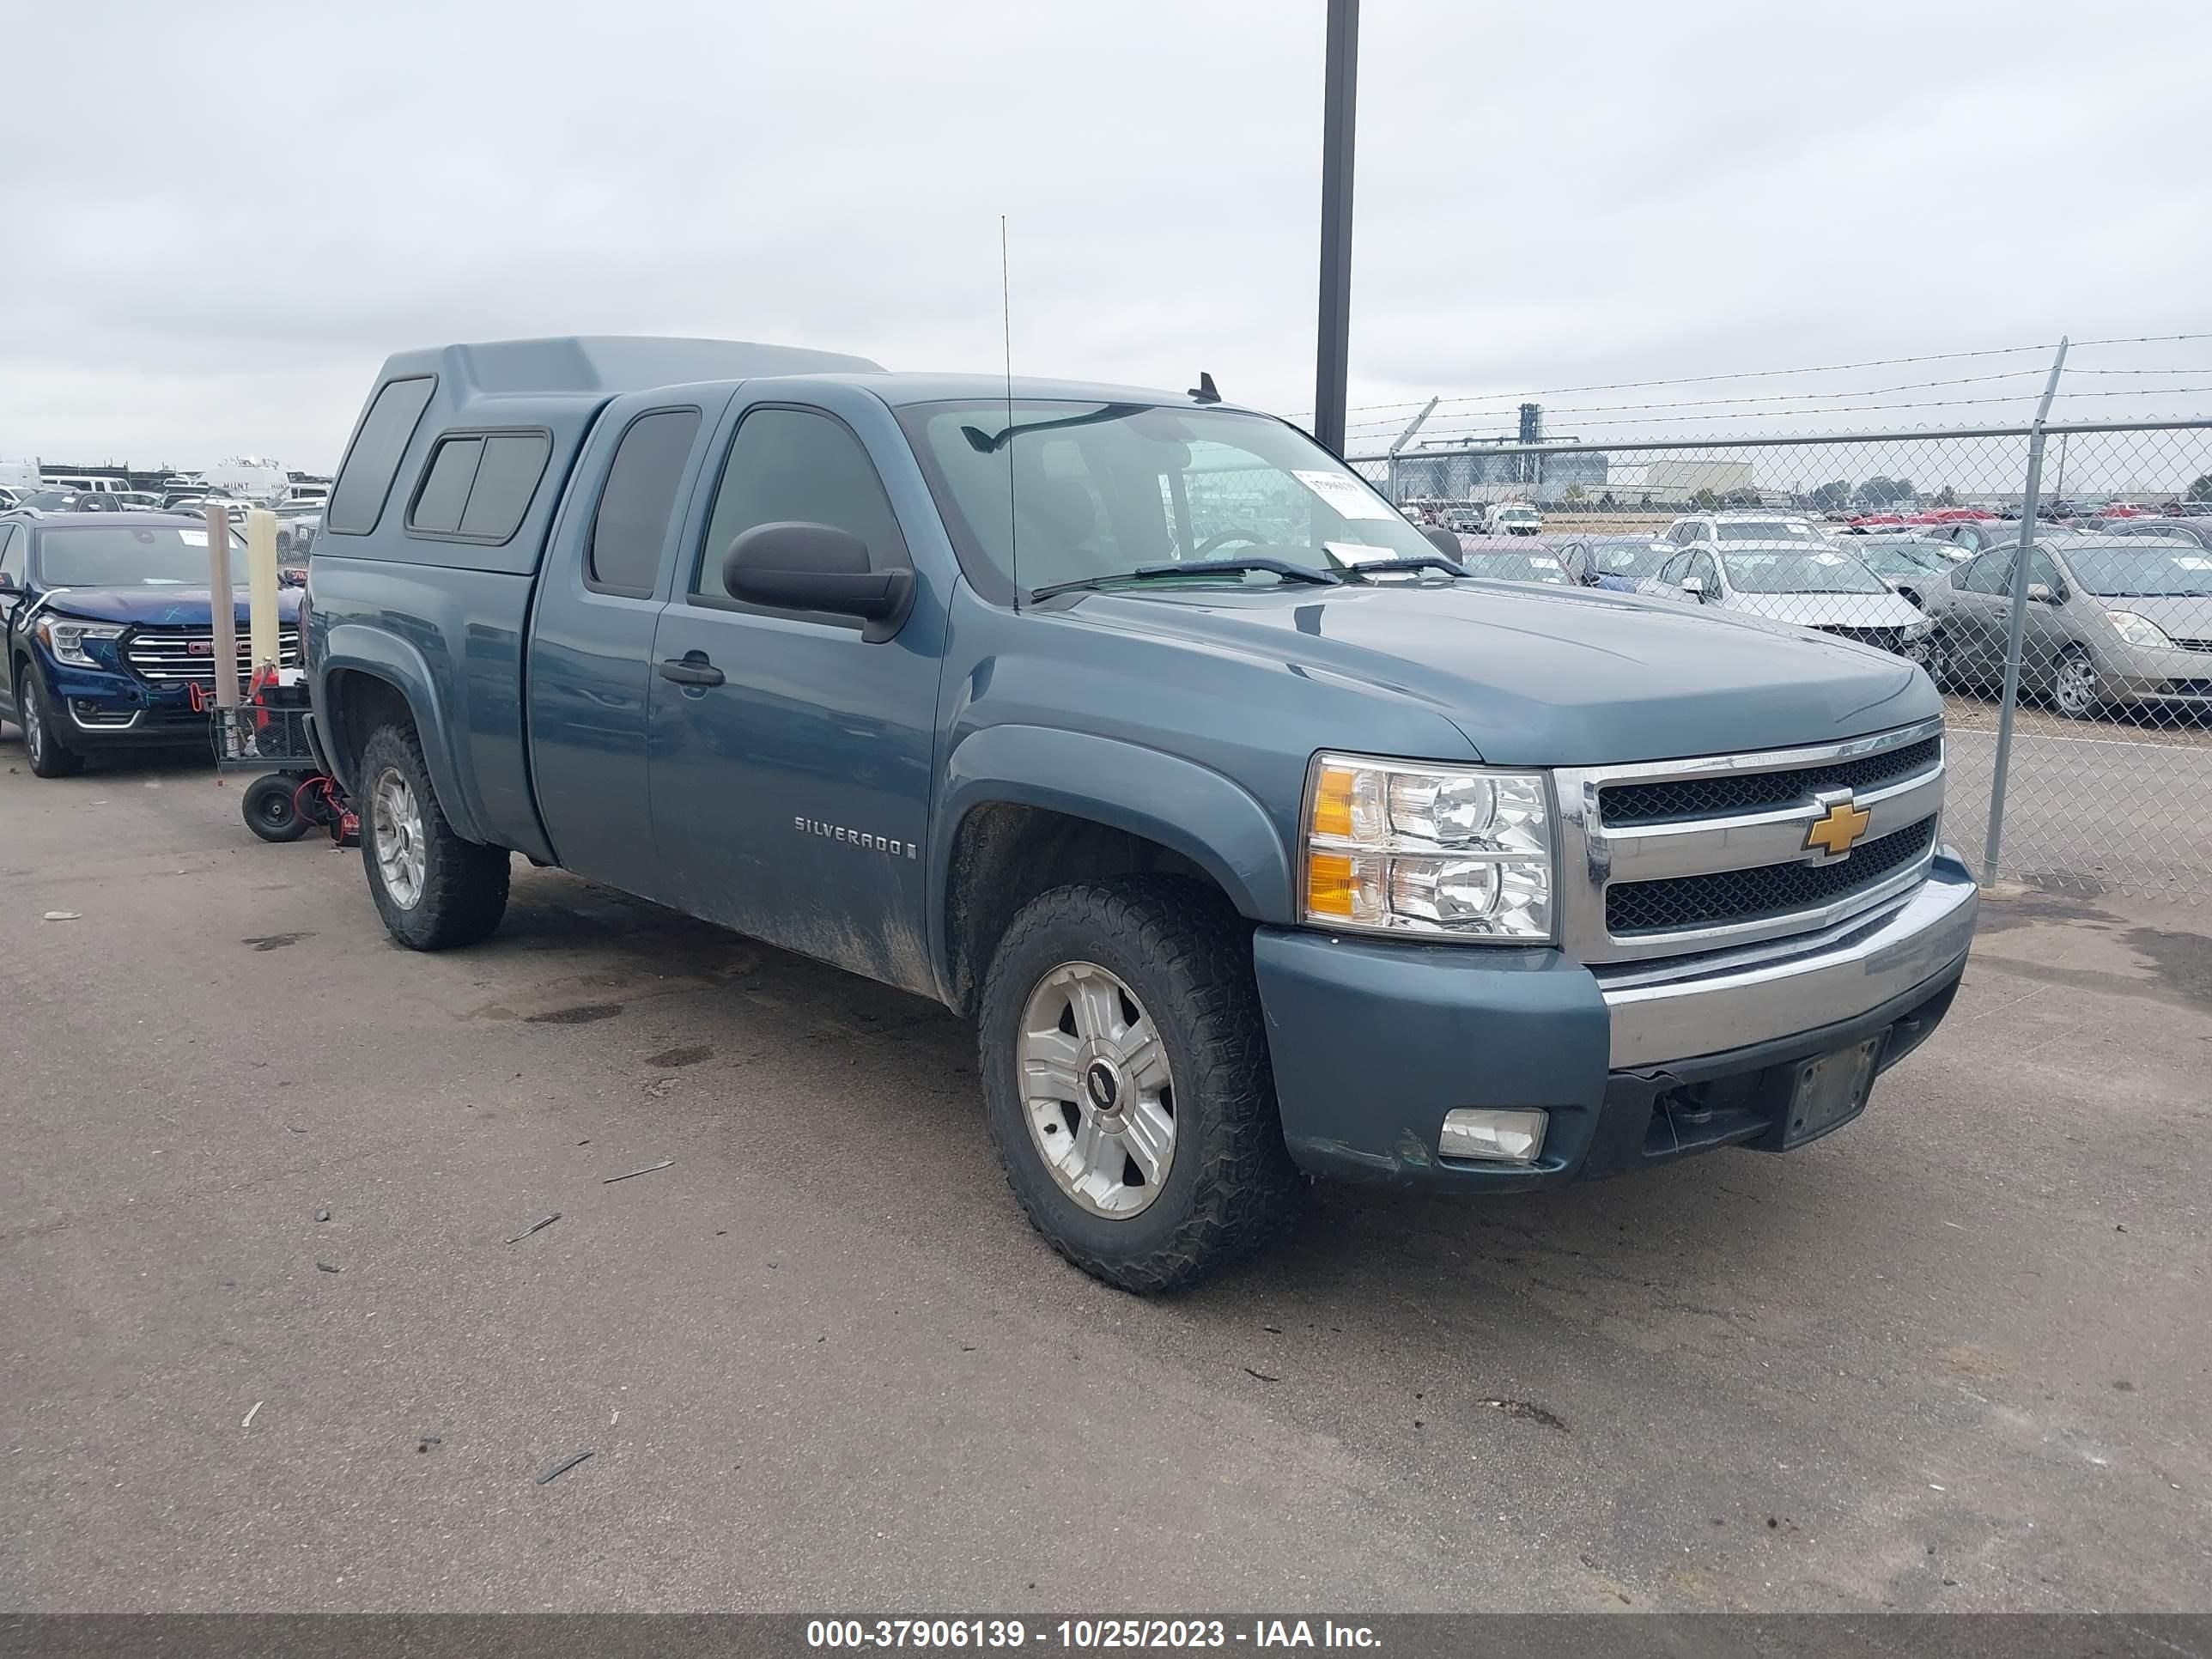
<point x="2079" y="687"/>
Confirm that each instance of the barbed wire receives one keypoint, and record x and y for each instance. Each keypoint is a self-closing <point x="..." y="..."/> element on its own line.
<point x="1759" y="373"/>
<point x="1936" y="403"/>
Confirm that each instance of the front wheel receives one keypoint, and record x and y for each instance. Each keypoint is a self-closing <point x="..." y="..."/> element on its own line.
<point x="50" y="757"/>
<point x="1934" y="654"/>
<point x="2074" y="687"/>
<point x="272" y="808"/>
<point x="434" y="889"/>
<point x="1126" y="1082"/>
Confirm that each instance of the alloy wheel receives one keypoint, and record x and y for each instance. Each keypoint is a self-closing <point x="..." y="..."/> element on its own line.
<point x="396" y="821"/>
<point x="1097" y="1093"/>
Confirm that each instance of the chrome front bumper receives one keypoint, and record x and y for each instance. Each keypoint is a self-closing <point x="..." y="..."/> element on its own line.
<point x="1669" y="1011"/>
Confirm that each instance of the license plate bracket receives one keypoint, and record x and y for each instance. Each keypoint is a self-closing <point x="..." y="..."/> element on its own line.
<point x="1829" y="1090"/>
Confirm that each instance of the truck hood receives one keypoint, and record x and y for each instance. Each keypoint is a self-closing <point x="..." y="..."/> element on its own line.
<point x="1552" y="677"/>
<point x="1828" y="610"/>
<point x="170" y="607"/>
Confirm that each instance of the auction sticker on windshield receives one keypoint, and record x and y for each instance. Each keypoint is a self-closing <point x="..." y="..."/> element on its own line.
<point x="1346" y="495"/>
<point x="1358" y="552"/>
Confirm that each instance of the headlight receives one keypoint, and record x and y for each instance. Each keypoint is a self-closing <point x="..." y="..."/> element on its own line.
<point x="1445" y="852"/>
<point x="2139" y="631"/>
<point x="1915" y="630"/>
<point x="67" y="639"/>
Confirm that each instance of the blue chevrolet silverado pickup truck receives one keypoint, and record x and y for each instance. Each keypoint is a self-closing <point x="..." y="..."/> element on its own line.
<point x="1258" y="840"/>
<point x="109" y="626"/>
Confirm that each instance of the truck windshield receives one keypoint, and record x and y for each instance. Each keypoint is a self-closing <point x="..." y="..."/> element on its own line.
<point x="1066" y="491"/>
<point x="113" y="555"/>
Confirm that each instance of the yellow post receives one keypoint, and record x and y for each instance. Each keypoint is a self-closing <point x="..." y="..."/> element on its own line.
<point x="261" y="590"/>
<point x="222" y="606"/>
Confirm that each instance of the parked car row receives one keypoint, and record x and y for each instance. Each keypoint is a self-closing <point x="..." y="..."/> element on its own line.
<point x="2118" y="616"/>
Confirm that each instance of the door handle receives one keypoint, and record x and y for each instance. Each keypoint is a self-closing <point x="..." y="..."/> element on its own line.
<point x="692" y="668"/>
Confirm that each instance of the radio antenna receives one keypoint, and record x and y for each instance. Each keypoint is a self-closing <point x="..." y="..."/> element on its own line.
<point x="1006" y="332"/>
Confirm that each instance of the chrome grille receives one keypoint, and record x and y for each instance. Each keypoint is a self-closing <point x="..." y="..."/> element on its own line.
<point x="167" y="657"/>
<point x="1643" y="907"/>
<point x="1753" y="792"/>
<point x="1882" y="639"/>
<point x="1676" y="858"/>
<point x="2191" y="644"/>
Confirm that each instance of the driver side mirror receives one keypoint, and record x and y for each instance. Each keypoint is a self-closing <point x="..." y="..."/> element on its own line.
<point x="2043" y="593"/>
<point x="816" y="567"/>
<point x="1444" y="541"/>
<point x="1695" y="587"/>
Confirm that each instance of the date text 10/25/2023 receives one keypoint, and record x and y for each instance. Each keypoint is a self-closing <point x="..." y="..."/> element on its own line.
<point x="1086" y="1634"/>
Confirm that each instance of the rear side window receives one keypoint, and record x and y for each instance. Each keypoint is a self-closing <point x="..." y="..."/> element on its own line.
<point x="631" y="526"/>
<point x="1990" y="574"/>
<point x="478" y="487"/>
<point x="357" y="498"/>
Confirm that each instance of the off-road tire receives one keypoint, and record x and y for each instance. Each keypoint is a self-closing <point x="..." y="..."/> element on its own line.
<point x="49" y="756"/>
<point x="464" y="882"/>
<point x="1187" y="956"/>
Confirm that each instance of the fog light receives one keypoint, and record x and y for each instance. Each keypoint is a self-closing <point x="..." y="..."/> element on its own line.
<point x="1496" y="1136"/>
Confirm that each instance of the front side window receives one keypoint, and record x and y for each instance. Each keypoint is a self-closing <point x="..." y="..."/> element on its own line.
<point x="630" y="528"/>
<point x="796" y="465"/>
<point x="365" y="478"/>
<point x="1087" y="491"/>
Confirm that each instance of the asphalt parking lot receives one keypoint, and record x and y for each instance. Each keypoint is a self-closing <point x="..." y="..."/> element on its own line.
<point x="1955" y="1357"/>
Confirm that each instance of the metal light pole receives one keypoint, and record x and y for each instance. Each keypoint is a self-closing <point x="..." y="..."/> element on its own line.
<point x="1340" y="82"/>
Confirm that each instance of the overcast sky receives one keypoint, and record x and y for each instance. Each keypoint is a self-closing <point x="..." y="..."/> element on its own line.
<point x="1548" y="196"/>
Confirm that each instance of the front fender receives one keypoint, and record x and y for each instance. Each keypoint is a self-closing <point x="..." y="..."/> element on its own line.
<point x="351" y="647"/>
<point x="1208" y="817"/>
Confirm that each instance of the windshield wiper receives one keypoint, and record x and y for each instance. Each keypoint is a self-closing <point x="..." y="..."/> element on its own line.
<point x="1148" y="572"/>
<point x="1421" y="562"/>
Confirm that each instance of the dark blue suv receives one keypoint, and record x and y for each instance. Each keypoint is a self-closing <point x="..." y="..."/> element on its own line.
<point x="108" y="627"/>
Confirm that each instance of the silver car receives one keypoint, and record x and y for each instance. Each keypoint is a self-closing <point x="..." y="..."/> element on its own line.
<point x="2110" y="621"/>
<point x="1816" y="585"/>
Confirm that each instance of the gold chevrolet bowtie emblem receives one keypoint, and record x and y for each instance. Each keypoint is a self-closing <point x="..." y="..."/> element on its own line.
<point x="1835" y="831"/>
